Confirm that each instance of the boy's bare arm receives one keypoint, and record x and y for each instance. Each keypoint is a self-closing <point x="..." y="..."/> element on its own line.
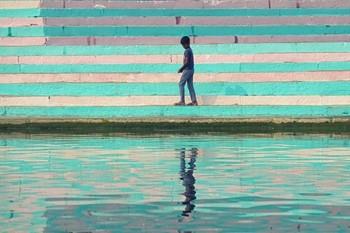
<point x="185" y="64"/>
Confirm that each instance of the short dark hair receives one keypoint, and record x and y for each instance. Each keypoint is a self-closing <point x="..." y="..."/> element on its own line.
<point x="185" y="40"/>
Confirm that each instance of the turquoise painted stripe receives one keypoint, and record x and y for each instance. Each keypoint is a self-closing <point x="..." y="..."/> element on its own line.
<point x="171" y="89"/>
<point x="171" y="68"/>
<point x="47" y="12"/>
<point x="175" y="49"/>
<point x="174" y="111"/>
<point x="19" y="13"/>
<point x="72" y="31"/>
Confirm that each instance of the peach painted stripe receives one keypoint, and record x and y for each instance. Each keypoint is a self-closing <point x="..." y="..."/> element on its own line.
<point x="18" y="22"/>
<point x="196" y="40"/>
<point x="63" y="101"/>
<point x="177" y="59"/>
<point x="159" y="78"/>
<point x="13" y="4"/>
<point x="195" y="21"/>
<point x="22" y="41"/>
<point x="31" y="41"/>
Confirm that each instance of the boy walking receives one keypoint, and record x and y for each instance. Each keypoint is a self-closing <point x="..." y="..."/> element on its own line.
<point x="187" y="71"/>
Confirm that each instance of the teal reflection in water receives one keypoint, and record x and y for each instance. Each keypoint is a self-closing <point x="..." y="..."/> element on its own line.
<point x="188" y="180"/>
<point x="175" y="183"/>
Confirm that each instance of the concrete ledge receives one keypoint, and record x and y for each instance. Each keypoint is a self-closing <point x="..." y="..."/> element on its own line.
<point x="174" y="125"/>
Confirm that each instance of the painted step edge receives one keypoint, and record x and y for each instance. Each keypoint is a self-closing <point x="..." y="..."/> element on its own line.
<point x="289" y="112"/>
<point x="314" y="47"/>
<point x="326" y="76"/>
<point x="72" y="101"/>
<point x="177" y="59"/>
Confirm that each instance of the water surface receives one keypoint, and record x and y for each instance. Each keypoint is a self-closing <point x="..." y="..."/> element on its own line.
<point x="175" y="183"/>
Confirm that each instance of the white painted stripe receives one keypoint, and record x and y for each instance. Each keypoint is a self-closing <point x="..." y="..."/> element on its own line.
<point x="65" y="101"/>
<point x="177" y="59"/>
<point x="160" y="78"/>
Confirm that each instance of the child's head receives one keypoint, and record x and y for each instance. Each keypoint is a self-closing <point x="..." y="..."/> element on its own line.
<point x="185" y="42"/>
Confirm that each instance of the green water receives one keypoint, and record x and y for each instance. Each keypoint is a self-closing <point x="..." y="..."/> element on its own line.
<point x="175" y="183"/>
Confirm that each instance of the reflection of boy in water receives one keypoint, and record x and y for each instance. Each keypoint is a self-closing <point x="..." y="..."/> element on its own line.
<point x="188" y="179"/>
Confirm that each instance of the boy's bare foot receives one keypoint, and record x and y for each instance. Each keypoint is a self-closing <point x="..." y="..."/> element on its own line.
<point x="195" y="103"/>
<point x="179" y="104"/>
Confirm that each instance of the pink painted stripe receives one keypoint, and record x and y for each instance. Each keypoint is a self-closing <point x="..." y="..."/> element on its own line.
<point x="177" y="59"/>
<point x="271" y="39"/>
<point x="154" y="78"/>
<point x="197" y="4"/>
<point x="9" y="60"/>
<point x="196" y="40"/>
<point x="12" y="4"/>
<point x="195" y="21"/>
<point x="68" y="101"/>
<point x="283" y="3"/>
<point x="15" y="22"/>
<point x="323" y="3"/>
<point x="112" y="41"/>
<point x="110" y="21"/>
<point x="309" y="3"/>
<point x="154" y="4"/>
<point x="124" y="41"/>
